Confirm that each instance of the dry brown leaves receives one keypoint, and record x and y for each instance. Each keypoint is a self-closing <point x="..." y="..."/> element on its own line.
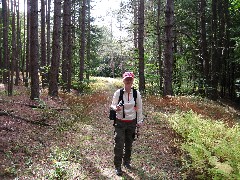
<point x="206" y="108"/>
<point x="155" y="154"/>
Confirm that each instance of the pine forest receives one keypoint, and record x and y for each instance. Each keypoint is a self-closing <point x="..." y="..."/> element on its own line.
<point x="62" y="60"/>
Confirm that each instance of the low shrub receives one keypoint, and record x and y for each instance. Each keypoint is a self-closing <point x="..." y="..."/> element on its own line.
<point x="212" y="148"/>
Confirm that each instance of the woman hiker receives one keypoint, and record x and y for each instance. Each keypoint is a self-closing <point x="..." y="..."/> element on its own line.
<point x="128" y="104"/>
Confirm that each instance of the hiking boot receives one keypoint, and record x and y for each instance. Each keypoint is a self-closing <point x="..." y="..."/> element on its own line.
<point x="118" y="171"/>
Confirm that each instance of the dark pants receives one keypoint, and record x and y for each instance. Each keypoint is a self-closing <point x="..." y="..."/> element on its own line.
<point x="124" y="137"/>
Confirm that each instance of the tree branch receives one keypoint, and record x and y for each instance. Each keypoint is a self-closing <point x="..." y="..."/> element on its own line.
<point x="7" y="113"/>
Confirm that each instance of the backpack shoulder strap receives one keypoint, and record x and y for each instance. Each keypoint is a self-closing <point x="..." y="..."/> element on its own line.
<point x="135" y="96"/>
<point x="135" y="99"/>
<point x="121" y="95"/>
<point x="121" y="99"/>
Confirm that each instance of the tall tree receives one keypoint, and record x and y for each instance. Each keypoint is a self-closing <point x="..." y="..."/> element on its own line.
<point x="168" y="50"/>
<point x="23" y="57"/>
<point x="55" y="60"/>
<point x="82" y="40"/>
<point x="214" y="53"/>
<point x="1" y="49"/>
<point x="26" y="80"/>
<point x="73" y="32"/>
<point x="13" y="57"/>
<point x="34" y="56"/>
<point x="204" y="59"/>
<point x="159" y="38"/>
<point x="135" y="23"/>
<point x="43" y="44"/>
<point x="223" y="47"/>
<point x="230" y="77"/>
<point x="48" y="31"/>
<point x="67" y="46"/>
<point x="5" y="41"/>
<point x="18" y="47"/>
<point x="141" y="46"/>
<point x="220" y="43"/>
<point x="88" y="46"/>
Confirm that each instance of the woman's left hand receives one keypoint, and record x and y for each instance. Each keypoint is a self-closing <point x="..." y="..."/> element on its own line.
<point x="139" y="125"/>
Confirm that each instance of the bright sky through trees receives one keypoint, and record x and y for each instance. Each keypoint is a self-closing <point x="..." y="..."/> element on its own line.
<point x="103" y="13"/>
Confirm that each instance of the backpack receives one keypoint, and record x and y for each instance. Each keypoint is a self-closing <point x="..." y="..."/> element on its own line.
<point x="112" y="114"/>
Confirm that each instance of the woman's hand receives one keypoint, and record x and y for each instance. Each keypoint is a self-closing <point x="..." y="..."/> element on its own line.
<point x="118" y="108"/>
<point x="139" y="124"/>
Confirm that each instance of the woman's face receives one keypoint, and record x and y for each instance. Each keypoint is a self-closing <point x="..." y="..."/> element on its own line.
<point x="128" y="81"/>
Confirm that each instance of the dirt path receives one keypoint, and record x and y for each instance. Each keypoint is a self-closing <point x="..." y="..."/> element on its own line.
<point x="154" y="153"/>
<point x="85" y="151"/>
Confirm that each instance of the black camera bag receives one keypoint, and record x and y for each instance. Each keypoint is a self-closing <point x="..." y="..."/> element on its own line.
<point x="112" y="114"/>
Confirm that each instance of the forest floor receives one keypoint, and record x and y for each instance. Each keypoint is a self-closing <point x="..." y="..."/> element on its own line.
<point x="70" y="137"/>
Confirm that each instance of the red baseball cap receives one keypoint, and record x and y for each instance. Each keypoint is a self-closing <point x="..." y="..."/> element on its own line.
<point x="128" y="74"/>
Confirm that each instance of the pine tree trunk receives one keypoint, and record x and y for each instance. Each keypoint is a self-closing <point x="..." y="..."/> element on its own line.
<point x="43" y="45"/>
<point x="19" y="47"/>
<point x="48" y="33"/>
<point x="230" y="82"/>
<point x="34" y="55"/>
<point x="88" y="38"/>
<point x="168" y="51"/>
<point x="135" y="29"/>
<point x="23" y="57"/>
<point x="203" y="44"/>
<point x="160" y="63"/>
<point x="141" y="46"/>
<point x="1" y="51"/>
<point x="5" y="41"/>
<point x="13" y="58"/>
<point x="55" y="60"/>
<point x="26" y="80"/>
<point x="214" y="53"/>
<point x="82" y="40"/>
<point x="221" y="36"/>
<point x="66" y="53"/>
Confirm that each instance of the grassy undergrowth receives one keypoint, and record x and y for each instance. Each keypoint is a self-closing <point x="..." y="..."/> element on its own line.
<point x="75" y="144"/>
<point x="212" y="148"/>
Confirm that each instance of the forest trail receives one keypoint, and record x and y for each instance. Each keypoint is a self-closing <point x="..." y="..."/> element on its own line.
<point x="155" y="155"/>
<point x="41" y="143"/>
<point x="34" y="150"/>
<point x="71" y="137"/>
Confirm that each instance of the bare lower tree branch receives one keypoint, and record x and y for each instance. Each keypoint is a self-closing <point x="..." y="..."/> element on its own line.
<point x="8" y="113"/>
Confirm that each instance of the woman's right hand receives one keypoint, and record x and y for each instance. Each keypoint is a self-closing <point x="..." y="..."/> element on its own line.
<point x="118" y="108"/>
